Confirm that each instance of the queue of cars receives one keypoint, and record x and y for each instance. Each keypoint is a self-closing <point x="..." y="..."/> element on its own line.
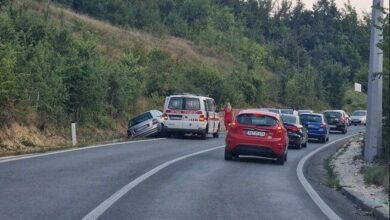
<point x="263" y="132"/>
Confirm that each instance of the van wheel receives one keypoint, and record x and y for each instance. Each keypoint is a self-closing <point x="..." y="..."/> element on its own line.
<point x="163" y="131"/>
<point x="216" y="134"/>
<point x="203" y="135"/>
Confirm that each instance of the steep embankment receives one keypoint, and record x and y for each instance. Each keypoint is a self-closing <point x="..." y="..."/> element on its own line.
<point x="112" y="42"/>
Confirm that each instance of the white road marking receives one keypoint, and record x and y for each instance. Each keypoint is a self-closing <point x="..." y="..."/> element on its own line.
<point x="309" y="189"/>
<point x="100" y="209"/>
<point x="7" y="159"/>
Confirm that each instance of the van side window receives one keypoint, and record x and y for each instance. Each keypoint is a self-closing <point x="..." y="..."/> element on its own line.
<point x="210" y="105"/>
<point x="213" y="106"/>
<point x="206" y="105"/>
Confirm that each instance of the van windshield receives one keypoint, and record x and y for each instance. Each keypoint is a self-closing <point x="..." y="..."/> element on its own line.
<point x="180" y="103"/>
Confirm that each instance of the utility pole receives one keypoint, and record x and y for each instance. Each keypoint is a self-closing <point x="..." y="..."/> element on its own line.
<point x="373" y="142"/>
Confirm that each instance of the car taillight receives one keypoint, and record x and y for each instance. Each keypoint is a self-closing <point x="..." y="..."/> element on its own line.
<point x="322" y="125"/>
<point x="165" y="117"/>
<point x="292" y="128"/>
<point x="202" y="118"/>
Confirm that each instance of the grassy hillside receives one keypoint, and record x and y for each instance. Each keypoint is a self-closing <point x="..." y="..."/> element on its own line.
<point x="100" y="62"/>
<point x="114" y="41"/>
<point x="34" y="122"/>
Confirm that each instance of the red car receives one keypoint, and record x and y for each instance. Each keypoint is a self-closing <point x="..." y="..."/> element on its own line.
<point x="257" y="133"/>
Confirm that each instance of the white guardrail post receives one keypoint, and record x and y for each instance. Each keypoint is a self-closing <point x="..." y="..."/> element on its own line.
<point x="74" y="138"/>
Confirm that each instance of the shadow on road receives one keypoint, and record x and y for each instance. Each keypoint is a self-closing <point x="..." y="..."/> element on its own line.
<point x="250" y="159"/>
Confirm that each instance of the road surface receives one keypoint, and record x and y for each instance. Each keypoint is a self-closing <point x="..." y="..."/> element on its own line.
<point x="71" y="185"/>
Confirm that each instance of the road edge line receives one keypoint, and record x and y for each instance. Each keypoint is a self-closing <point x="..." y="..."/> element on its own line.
<point x="73" y="149"/>
<point x="106" y="204"/>
<point x="307" y="186"/>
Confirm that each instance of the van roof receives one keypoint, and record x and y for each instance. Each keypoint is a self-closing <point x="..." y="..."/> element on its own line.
<point x="189" y="95"/>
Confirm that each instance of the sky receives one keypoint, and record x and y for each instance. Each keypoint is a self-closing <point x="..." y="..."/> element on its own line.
<point x="360" y="5"/>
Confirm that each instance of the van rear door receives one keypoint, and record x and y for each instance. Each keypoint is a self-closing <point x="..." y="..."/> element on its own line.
<point x="211" y="115"/>
<point x="191" y="113"/>
<point x="173" y="111"/>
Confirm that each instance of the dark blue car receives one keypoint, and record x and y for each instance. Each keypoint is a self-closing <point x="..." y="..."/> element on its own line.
<point x="316" y="126"/>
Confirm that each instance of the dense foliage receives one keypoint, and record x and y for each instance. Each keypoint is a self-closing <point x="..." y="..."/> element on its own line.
<point x="297" y="57"/>
<point x="319" y="52"/>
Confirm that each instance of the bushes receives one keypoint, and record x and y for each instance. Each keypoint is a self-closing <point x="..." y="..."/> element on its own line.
<point x="279" y="56"/>
<point x="62" y="78"/>
<point x="377" y="175"/>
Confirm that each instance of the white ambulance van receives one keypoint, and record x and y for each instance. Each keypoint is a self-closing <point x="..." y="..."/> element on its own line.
<point x="189" y="113"/>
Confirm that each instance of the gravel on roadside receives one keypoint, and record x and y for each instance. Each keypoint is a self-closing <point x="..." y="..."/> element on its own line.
<point x="347" y="165"/>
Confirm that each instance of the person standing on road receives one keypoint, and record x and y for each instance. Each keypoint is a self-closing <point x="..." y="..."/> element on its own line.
<point x="228" y="115"/>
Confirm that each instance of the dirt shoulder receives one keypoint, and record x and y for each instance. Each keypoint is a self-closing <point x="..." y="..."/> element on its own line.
<point x="20" y="139"/>
<point x="348" y="163"/>
<point x="316" y="173"/>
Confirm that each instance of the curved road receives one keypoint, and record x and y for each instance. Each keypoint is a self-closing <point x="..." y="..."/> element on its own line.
<point x="69" y="185"/>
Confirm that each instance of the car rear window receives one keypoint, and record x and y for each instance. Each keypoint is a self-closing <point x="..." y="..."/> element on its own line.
<point x="359" y="113"/>
<point x="273" y="110"/>
<point x="305" y="111"/>
<point x="258" y="120"/>
<point x="332" y="114"/>
<point x="311" y="118"/>
<point x="140" y="118"/>
<point x="289" y="119"/>
<point x="287" y="111"/>
<point x="180" y="103"/>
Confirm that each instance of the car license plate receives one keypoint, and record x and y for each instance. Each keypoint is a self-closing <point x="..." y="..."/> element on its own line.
<point x="256" y="133"/>
<point x="311" y="126"/>
<point x="175" y="117"/>
<point x="333" y="126"/>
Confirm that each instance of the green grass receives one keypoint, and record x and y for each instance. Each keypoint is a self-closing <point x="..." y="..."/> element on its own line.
<point x="377" y="175"/>
<point x="332" y="179"/>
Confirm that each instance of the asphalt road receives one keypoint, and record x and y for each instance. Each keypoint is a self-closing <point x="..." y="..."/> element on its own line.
<point x="70" y="185"/>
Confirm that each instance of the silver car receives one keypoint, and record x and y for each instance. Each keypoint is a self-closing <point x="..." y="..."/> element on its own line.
<point x="288" y="111"/>
<point x="359" y="117"/>
<point x="146" y="124"/>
